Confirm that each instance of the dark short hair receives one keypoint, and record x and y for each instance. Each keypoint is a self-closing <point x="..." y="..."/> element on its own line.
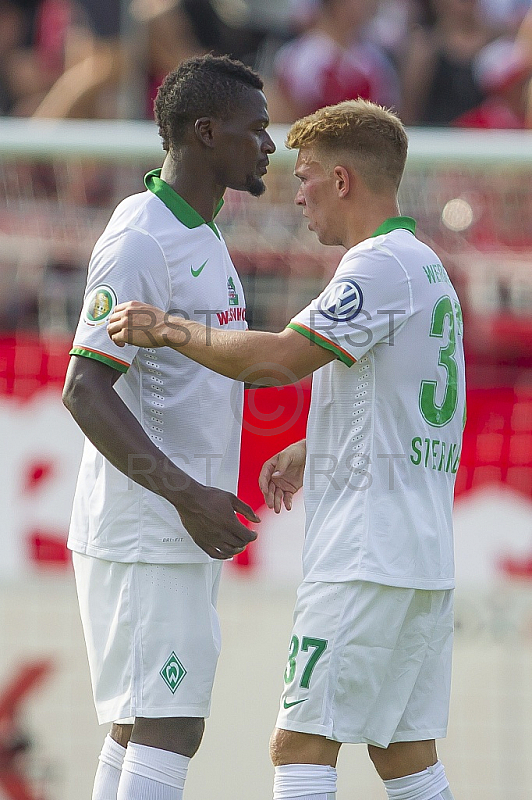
<point x="205" y="86"/>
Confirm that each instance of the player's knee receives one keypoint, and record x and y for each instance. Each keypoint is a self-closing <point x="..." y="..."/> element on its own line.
<point x="287" y="747"/>
<point x="378" y="756"/>
<point x="121" y="733"/>
<point x="292" y="747"/>
<point x="403" y="758"/>
<point x="181" y="735"/>
<point x="276" y="747"/>
<point x="190" y="732"/>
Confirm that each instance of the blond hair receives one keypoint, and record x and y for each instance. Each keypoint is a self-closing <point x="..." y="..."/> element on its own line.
<point x="371" y="137"/>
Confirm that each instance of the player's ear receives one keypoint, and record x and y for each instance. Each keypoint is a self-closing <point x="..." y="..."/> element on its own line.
<point x="203" y="128"/>
<point x="342" y="181"/>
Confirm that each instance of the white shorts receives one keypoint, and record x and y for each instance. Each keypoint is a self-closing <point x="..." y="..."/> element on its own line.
<point x="369" y="663"/>
<point x="152" y="634"/>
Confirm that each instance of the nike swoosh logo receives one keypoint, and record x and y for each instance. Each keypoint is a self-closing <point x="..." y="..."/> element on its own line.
<point x="196" y="272"/>
<point x="294" y="703"/>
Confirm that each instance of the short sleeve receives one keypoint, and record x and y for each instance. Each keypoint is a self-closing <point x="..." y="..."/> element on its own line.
<point x="367" y="302"/>
<point x="130" y="266"/>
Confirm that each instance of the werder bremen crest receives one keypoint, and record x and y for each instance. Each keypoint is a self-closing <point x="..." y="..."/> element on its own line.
<point x="231" y="291"/>
<point x="173" y="672"/>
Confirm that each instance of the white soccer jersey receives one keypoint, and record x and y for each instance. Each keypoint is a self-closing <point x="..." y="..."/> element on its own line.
<point x="384" y="437"/>
<point x="158" y="250"/>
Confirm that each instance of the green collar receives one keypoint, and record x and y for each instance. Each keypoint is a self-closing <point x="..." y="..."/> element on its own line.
<point x="392" y="224"/>
<point x="179" y="207"/>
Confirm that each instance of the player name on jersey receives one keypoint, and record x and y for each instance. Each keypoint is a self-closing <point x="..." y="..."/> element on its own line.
<point x="435" y="454"/>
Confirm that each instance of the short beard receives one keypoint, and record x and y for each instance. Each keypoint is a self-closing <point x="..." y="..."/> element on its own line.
<point x="255" y="186"/>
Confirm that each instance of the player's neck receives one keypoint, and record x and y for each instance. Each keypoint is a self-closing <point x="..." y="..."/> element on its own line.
<point x="361" y="226"/>
<point x="198" y="190"/>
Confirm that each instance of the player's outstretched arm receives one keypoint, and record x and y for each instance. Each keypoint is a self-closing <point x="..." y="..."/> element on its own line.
<point x="282" y="476"/>
<point x="207" y="513"/>
<point x="247" y="356"/>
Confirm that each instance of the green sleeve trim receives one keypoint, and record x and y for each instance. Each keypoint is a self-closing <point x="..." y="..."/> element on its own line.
<point x="121" y="366"/>
<point x="316" y="338"/>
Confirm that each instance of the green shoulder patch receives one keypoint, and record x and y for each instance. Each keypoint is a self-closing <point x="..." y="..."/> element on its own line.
<point x="99" y="305"/>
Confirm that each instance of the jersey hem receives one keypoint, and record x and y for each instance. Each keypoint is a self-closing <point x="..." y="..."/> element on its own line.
<point x="316" y="338"/>
<point x="435" y="584"/>
<point x="115" y="363"/>
<point x="144" y="558"/>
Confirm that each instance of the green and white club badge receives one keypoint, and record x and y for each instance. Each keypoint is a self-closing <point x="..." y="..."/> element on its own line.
<point x="172" y="672"/>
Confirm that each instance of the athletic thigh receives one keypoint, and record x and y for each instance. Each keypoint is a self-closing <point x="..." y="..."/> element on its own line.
<point x="152" y="635"/>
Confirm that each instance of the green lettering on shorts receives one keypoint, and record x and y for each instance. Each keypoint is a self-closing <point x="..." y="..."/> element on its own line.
<point x="318" y="647"/>
<point x="172" y="672"/>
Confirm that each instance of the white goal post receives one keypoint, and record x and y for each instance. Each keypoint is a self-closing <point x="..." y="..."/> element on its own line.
<point x="124" y="140"/>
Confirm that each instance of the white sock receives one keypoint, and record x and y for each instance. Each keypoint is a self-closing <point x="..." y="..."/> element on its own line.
<point x="152" y="774"/>
<point x="109" y="769"/>
<point x="430" y="784"/>
<point x="304" y="782"/>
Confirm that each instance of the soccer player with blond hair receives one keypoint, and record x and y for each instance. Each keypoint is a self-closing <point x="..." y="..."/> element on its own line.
<point x="370" y="653"/>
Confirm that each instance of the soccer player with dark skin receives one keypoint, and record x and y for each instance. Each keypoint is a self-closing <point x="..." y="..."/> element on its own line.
<point x="206" y="153"/>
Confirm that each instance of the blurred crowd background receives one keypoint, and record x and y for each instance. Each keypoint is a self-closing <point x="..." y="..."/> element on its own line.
<point x="437" y="62"/>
